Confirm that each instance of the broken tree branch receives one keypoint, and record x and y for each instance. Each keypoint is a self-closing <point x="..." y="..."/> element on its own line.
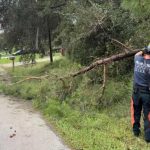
<point x="110" y="59"/>
<point x="31" y="78"/>
<point x="27" y="78"/>
<point x="97" y="63"/>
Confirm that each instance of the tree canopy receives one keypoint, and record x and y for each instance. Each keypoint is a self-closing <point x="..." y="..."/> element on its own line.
<point x="85" y="28"/>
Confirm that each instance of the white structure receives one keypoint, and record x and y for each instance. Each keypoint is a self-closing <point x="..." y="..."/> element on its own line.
<point x="1" y="30"/>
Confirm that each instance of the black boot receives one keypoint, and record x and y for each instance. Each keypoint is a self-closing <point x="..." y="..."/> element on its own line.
<point x="136" y="129"/>
<point x="147" y="135"/>
<point x="136" y="132"/>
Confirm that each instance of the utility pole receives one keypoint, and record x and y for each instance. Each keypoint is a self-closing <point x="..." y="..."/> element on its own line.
<point x="37" y="36"/>
<point x="50" y="41"/>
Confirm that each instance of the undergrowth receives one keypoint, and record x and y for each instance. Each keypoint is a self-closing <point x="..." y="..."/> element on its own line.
<point x="72" y="105"/>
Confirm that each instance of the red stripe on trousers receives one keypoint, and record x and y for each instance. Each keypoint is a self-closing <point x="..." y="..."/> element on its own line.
<point x="132" y="112"/>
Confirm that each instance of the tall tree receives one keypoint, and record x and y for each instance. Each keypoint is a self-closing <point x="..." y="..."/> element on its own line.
<point x="88" y="27"/>
<point x="49" y="12"/>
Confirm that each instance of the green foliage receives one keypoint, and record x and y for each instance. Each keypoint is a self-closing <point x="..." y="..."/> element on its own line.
<point x="27" y="23"/>
<point x="140" y="8"/>
<point x="84" y="38"/>
<point x="77" y="117"/>
<point x="90" y="37"/>
<point x="140" y="11"/>
<point x="83" y="93"/>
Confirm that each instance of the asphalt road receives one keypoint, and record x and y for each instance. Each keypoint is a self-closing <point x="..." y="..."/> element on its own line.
<point x="22" y="128"/>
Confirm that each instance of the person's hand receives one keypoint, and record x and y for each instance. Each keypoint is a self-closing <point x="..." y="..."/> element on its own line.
<point x="140" y="53"/>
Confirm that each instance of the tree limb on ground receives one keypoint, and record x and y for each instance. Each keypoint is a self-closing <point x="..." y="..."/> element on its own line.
<point x="27" y="78"/>
<point x="31" y="78"/>
<point x="99" y="62"/>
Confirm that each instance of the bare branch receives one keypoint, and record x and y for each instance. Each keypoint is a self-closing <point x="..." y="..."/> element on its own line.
<point x="31" y="78"/>
<point x="123" y="45"/>
<point x="110" y="59"/>
<point x="53" y="76"/>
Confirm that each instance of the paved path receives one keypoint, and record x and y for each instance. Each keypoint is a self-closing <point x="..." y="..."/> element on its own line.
<point x="21" y="128"/>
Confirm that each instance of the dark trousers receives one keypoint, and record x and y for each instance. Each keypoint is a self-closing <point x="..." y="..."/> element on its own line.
<point x="141" y="101"/>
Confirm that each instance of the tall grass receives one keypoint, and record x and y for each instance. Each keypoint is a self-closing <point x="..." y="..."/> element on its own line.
<point x="72" y="106"/>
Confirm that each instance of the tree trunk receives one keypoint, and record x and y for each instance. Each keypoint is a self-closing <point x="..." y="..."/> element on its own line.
<point x="37" y="39"/>
<point x="50" y="45"/>
<point x="49" y="40"/>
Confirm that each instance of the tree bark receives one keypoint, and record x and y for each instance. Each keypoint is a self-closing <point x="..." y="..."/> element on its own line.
<point x="49" y="40"/>
<point x="110" y="59"/>
<point x="37" y="39"/>
<point x="50" y="45"/>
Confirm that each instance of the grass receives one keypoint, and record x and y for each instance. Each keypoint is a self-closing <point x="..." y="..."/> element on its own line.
<point x="73" y="111"/>
<point x="5" y="60"/>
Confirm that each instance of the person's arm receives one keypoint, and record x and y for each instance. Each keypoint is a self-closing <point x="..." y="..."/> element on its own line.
<point x="140" y="53"/>
<point x="137" y="55"/>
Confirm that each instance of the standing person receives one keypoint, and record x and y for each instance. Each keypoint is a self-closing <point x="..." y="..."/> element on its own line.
<point x="141" y="93"/>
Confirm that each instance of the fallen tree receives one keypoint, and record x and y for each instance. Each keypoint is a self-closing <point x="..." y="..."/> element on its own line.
<point x="107" y="60"/>
<point x="97" y="63"/>
<point x="104" y="61"/>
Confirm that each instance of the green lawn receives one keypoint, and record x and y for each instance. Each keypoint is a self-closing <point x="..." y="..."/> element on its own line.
<point x="7" y="60"/>
<point x="4" y="60"/>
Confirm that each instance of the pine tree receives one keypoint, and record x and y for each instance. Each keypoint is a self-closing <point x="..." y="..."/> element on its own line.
<point x="140" y="11"/>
